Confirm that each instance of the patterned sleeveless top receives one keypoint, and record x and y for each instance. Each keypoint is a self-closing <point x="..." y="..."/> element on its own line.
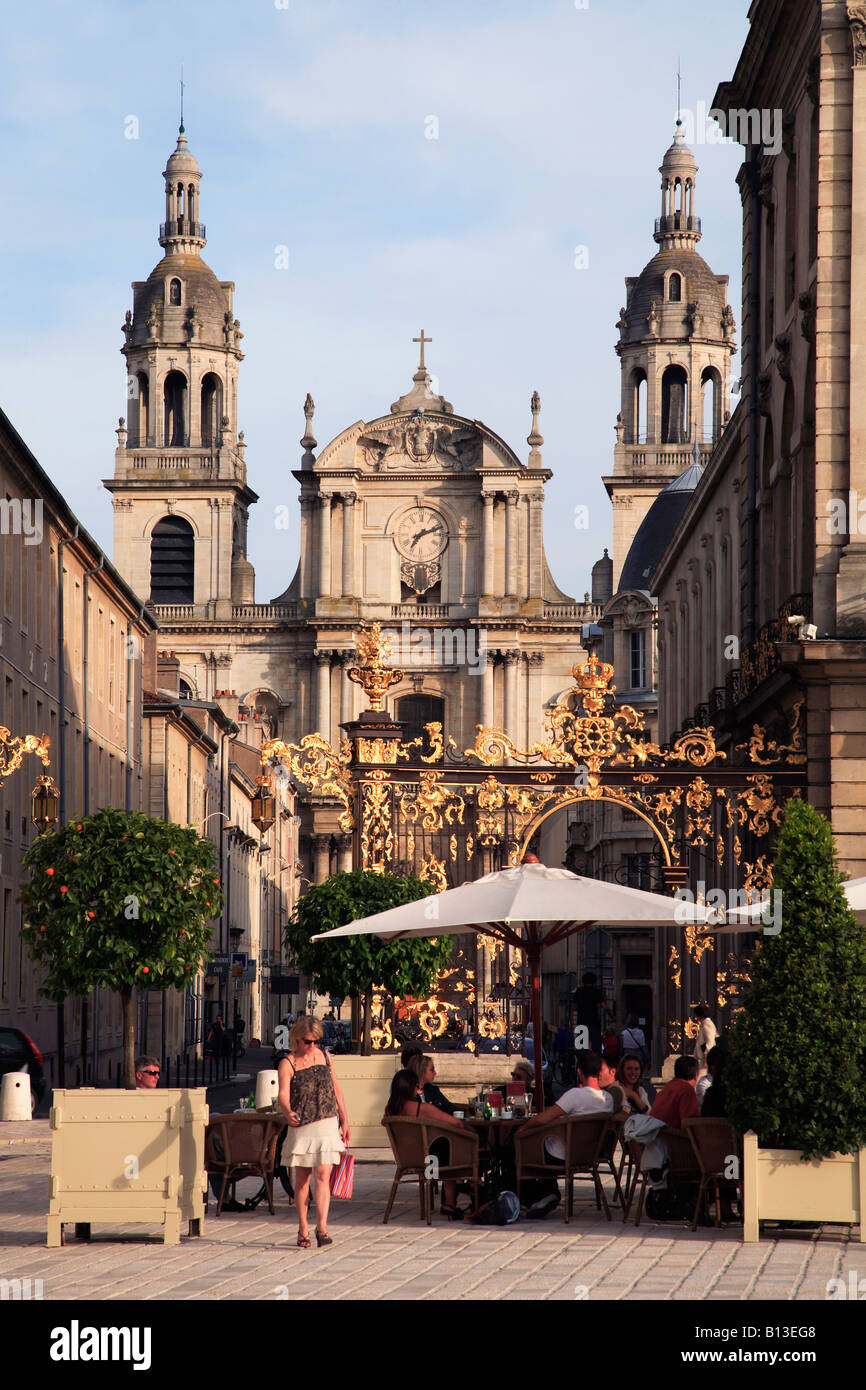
<point x="312" y="1093"/>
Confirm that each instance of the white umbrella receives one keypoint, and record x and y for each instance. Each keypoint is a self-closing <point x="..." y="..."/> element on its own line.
<point x="752" y="917"/>
<point x="547" y="905"/>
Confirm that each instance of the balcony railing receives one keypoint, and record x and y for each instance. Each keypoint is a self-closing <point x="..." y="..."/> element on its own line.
<point x="578" y="612"/>
<point x="677" y="222"/>
<point x="172" y="610"/>
<point x="182" y="226"/>
<point x="419" y="610"/>
<point x="264" y="610"/>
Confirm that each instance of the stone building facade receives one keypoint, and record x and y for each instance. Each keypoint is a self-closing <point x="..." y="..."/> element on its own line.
<point x="768" y="562"/>
<point x="422" y="519"/>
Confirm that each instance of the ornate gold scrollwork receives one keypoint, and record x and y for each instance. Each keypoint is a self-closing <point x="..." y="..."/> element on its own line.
<point x="697" y="944"/>
<point x="432" y="803"/>
<point x="759" y="745"/>
<point x="664" y="806"/>
<point x="13" y="750"/>
<point x="433" y="871"/>
<point x="759" y="876"/>
<point x="490" y="815"/>
<point x="377" y="835"/>
<point x="377" y="750"/>
<point x="314" y="763"/>
<point x="436" y="740"/>
<point x="675" y="968"/>
<point x="699" y="800"/>
<point x="697" y="747"/>
<point x="525" y="804"/>
<point x="761" y="802"/>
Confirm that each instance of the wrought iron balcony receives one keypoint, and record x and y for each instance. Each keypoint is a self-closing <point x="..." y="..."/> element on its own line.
<point x="182" y="226"/>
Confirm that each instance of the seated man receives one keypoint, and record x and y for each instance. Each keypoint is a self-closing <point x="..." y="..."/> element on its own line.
<point x="608" y="1082"/>
<point x="714" y="1101"/>
<point x="586" y="1099"/>
<point x="678" y="1102"/>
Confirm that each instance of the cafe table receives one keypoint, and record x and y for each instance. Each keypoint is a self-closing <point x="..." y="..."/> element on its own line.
<point x="495" y="1134"/>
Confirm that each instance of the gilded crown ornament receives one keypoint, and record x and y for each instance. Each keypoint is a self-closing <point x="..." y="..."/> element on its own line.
<point x="374" y="675"/>
<point x="594" y="682"/>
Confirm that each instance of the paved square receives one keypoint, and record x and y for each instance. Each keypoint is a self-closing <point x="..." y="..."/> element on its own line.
<point x="252" y="1255"/>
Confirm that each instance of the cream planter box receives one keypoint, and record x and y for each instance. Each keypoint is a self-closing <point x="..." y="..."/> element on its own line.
<point x="366" y="1082"/>
<point x="779" y="1186"/>
<point x="127" y="1156"/>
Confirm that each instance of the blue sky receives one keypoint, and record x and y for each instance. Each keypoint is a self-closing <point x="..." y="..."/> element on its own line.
<point x="310" y="124"/>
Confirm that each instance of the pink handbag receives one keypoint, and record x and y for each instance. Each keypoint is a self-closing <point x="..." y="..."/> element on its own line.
<point x="343" y="1176"/>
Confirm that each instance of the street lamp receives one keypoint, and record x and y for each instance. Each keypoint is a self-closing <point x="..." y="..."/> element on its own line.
<point x="264" y="806"/>
<point x="46" y="805"/>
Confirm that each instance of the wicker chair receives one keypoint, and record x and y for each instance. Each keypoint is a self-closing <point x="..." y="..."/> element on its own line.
<point x="411" y="1139"/>
<point x="714" y="1142"/>
<point x="681" y="1158"/>
<point x="242" y="1146"/>
<point x="585" y="1139"/>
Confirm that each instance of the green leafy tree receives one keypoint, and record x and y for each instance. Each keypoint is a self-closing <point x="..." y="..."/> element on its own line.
<point x="115" y="900"/>
<point x="797" y="1075"/>
<point x="356" y="964"/>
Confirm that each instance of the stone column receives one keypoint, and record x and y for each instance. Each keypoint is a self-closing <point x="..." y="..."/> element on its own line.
<point x="344" y="854"/>
<point x="324" y="503"/>
<point x="321" y="857"/>
<point x="349" y="581"/>
<point x="511" y="544"/>
<point x="323" y="694"/>
<point x="307" y="544"/>
<point x="841" y="335"/>
<point x="510" y="713"/>
<point x="536" y="546"/>
<point x="487" y="544"/>
<point x="533" y="696"/>
<point x="347" y="689"/>
<point x="487" y="692"/>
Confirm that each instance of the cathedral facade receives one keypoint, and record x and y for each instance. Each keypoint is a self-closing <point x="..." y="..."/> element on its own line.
<point x="422" y="519"/>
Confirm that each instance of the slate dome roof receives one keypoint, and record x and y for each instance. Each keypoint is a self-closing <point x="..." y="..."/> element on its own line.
<point x="200" y="287"/>
<point x="656" y="529"/>
<point x="700" y="286"/>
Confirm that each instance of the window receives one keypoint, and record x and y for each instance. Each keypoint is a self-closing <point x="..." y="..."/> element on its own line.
<point x="675" y="289"/>
<point x="637" y="659"/>
<point x="418" y="710"/>
<point x="675" y="409"/>
<point x="174" y="292"/>
<point x="211" y="408"/>
<point x="175" y="410"/>
<point x="172" y="561"/>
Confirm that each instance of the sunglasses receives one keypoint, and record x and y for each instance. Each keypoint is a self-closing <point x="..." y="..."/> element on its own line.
<point x="311" y="1041"/>
<point x="150" y="1072"/>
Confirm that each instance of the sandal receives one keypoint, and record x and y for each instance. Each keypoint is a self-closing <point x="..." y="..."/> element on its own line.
<point x="453" y="1213"/>
<point x="303" y="1242"/>
<point x="322" y="1238"/>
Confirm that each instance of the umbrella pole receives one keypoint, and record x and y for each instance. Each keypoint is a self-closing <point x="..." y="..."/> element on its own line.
<point x="533" y="958"/>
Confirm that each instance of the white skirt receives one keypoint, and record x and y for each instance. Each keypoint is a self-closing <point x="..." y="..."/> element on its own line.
<point x="308" y="1146"/>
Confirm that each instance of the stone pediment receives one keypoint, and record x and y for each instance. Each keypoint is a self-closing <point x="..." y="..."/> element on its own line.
<point x="405" y="444"/>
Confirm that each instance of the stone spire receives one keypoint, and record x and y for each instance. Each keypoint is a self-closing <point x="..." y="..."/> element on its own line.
<point x="182" y="233"/>
<point x="308" y="441"/>
<point x="421" y="397"/>
<point x="678" y="227"/>
<point x="535" y="439"/>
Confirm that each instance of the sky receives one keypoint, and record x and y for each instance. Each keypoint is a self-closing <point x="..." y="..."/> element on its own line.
<point x="485" y="171"/>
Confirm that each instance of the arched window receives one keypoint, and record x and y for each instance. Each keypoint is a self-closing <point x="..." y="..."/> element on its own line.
<point x="711" y="405"/>
<point x="190" y="202"/>
<point x="638" y="420"/>
<point x="139" y="412"/>
<point x="175" y="410"/>
<point x="675" y="288"/>
<point x="418" y="710"/>
<point x="790" y="229"/>
<point x="172" y="561"/>
<point x="675" y="411"/>
<point x="184" y="689"/>
<point x="174" y="292"/>
<point x="211" y="408"/>
<point x="180" y="205"/>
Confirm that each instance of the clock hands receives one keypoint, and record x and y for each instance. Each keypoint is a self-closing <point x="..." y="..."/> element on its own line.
<point x="429" y="531"/>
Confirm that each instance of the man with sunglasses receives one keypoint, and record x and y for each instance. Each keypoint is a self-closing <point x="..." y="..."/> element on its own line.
<point x="146" y="1073"/>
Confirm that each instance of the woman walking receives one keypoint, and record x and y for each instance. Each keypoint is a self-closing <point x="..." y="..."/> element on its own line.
<point x="318" y="1133"/>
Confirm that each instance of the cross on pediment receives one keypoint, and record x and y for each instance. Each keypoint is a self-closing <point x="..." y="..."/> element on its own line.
<point x="422" y="340"/>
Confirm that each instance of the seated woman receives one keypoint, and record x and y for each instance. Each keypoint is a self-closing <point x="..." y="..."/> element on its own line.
<point x="405" y="1101"/>
<point x="629" y="1075"/>
<point x="424" y="1069"/>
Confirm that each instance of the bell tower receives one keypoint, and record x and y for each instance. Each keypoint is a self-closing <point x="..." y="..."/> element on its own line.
<point x="181" y="499"/>
<point x="676" y="340"/>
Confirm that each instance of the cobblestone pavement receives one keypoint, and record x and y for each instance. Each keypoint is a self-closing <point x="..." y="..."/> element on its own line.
<point x="252" y="1255"/>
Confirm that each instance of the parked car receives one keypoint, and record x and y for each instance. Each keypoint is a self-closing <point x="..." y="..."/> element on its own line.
<point x="18" y="1052"/>
<point x="336" y="1035"/>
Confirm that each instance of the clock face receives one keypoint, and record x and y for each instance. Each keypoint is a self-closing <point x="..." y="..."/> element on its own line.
<point x="421" y="534"/>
